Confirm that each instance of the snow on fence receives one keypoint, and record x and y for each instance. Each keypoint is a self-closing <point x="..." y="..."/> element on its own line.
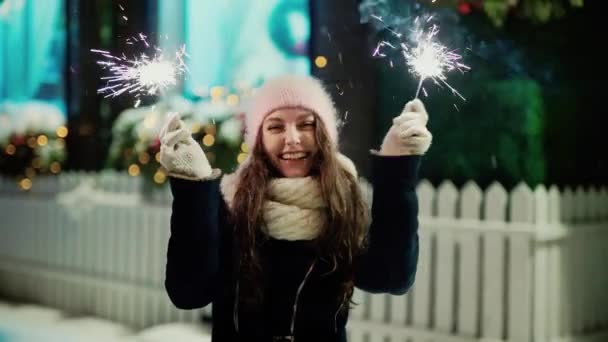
<point x="528" y="265"/>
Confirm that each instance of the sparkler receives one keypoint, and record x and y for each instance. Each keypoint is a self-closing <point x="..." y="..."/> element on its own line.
<point x="430" y="59"/>
<point x="143" y="75"/>
<point x="426" y="58"/>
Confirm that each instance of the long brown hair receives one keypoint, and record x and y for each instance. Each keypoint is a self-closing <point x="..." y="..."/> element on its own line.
<point x="342" y="237"/>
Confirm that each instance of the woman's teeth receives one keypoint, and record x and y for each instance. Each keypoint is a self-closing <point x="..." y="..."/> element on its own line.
<point x="290" y="156"/>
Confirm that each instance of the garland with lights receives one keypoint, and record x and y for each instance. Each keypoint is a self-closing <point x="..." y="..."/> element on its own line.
<point x="540" y="11"/>
<point x="32" y="141"/>
<point x="216" y="123"/>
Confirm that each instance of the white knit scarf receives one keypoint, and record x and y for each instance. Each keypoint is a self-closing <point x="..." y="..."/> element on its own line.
<point x="294" y="208"/>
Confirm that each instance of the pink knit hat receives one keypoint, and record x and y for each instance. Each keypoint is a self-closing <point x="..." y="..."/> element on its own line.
<point x="290" y="91"/>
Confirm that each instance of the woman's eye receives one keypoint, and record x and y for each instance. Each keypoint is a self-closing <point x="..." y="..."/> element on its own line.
<point x="308" y="125"/>
<point x="274" y="128"/>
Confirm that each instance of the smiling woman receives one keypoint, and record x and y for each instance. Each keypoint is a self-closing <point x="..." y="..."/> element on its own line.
<point x="286" y="238"/>
<point x="289" y="140"/>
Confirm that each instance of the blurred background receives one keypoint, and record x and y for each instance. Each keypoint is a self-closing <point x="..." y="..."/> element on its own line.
<point x="513" y="200"/>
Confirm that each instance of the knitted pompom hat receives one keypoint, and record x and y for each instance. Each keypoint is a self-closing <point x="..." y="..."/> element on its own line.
<point x="290" y="91"/>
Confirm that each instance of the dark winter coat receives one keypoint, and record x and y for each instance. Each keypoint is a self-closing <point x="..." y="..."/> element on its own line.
<point x="200" y="261"/>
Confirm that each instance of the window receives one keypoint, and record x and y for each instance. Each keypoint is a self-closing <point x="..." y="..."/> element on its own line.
<point x="32" y="48"/>
<point x="236" y="42"/>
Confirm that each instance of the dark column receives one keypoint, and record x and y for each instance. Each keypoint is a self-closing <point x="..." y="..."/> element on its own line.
<point x="82" y="80"/>
<point x="129" y="20"/>
<point x="337" y="35"/>
<point x="105" y="25"/>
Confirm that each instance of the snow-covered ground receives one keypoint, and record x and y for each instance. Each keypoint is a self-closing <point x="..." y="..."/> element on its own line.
<point x="32" y="323"/>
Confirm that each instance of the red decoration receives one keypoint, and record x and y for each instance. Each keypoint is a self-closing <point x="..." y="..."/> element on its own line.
<point x="464" y="8"/>
<point x="155" y="145"/>
<point x="19" y="140"/>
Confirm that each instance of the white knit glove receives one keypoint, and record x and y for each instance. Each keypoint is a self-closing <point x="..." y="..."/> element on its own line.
<point x="408" y="135"/>
<point x="180" y="154"/>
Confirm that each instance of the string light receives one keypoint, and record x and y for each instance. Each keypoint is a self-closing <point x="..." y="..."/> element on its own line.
<point x="321" y="62"/>
<point x="232" y="100"/>
<point x="25" y="184"/>
<point x="196" y="127"/>
<point x="10" y="149"/>
<point x="217" y="92"/>
<point x="42" y="140"/>
<point x="62" y="132"/>
<point x="55" y="167"/>
<point x="133" y="170"/>
<point x="208" y="140"/>
<point x="144" y="158"/>
<point x="159" y="177"/>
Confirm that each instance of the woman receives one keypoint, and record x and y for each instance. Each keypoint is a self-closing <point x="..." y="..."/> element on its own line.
<point x="279" y="245"/>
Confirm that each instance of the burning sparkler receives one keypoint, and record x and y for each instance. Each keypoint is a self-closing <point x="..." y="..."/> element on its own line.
<point x="426" y="57"/>
<point x="430" y="59"/>
<point x="144" y="75"/>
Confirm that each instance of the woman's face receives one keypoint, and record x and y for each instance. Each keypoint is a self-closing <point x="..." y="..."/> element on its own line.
<point x="288" y="136"/>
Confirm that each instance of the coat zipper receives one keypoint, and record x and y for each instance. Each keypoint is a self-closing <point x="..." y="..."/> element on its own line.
<point x="295" y="304"/>
<point x="235" y="310"/>
<point x="235" y="315"/>
<point x="336" y="318"/>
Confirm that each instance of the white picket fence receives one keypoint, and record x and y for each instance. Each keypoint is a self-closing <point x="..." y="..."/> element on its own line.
<point x="494" y="266"/>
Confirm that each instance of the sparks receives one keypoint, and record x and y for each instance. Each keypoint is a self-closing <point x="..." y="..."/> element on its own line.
<point x="143" y="75"/>
<point x="340" y="91"/>
<point x="430" y="59"/>
<point x="424" y="55"/>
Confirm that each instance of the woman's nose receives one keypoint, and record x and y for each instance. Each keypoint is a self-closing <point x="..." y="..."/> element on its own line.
<point x="292" y="135"/>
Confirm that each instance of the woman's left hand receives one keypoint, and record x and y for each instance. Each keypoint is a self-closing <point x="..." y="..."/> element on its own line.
<point x="408" y="135"/>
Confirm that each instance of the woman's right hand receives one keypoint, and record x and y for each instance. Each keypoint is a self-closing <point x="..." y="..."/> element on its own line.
<point x="180" y="154"/>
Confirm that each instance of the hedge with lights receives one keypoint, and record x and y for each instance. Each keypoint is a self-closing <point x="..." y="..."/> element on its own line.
<point x="540" y="11"/>
<point x="31" y="140"/>
<point x="216" y="124"/>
